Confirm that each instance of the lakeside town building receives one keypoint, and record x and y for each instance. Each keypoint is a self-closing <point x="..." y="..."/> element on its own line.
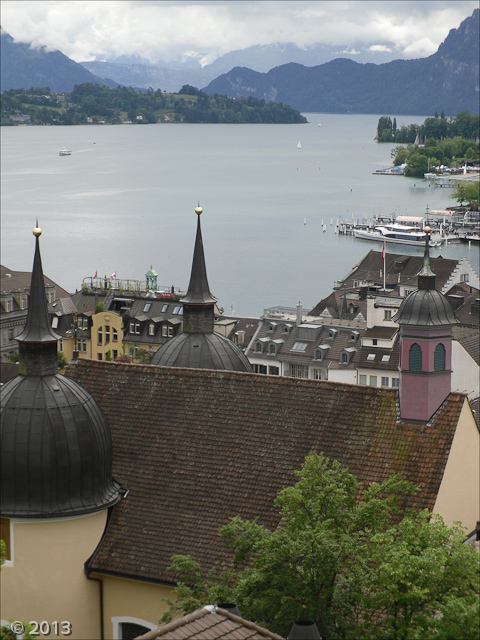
<point x="116" y="467"/>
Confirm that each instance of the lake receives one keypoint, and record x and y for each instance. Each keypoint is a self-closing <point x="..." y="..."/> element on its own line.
<point x="125" y="200"/>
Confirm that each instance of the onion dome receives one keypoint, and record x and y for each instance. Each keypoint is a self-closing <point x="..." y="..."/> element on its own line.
<point x="56" y="447"/>
<point x="199" y="346"/>
<point x="426" y="306"/>
<point x="202" y="351"/>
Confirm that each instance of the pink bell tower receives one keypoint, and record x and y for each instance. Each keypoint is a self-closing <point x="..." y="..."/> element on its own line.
<point x="426" y="319"/>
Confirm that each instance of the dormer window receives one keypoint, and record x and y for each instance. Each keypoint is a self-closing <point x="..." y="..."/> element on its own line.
<point x="151" y="329"/>
<point x="287" y="328"/>
<point x="321" y="351"/>
<point x="272" y="349"/>
<point x="353" y="336"/>
<point x="347" y="354"/>
<point x="331" y="334"/>
<point x="271" y="327"/>
<point x="258" y="347"/>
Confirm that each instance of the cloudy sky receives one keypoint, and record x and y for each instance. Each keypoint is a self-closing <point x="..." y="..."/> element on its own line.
<point x="168" y="30"/>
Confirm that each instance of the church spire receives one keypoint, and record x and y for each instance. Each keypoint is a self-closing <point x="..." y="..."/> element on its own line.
<point x="426" y="277"/>
<point x="198" y="289"/>
<point x="38" y="341"/>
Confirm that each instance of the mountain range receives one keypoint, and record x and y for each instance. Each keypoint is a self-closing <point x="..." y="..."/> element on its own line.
<point x="362" y="80"/>
<point x="448" y="80"/>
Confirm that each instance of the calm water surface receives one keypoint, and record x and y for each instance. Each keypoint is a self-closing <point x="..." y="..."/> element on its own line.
<point x="125" y="200"/>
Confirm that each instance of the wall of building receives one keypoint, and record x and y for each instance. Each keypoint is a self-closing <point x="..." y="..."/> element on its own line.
<point x="107" y="335"/>
<point x="459" y="495"/>
<point x="130" y="599"/>
<point x="465" y="372"/>
<point x="45" y="578"/>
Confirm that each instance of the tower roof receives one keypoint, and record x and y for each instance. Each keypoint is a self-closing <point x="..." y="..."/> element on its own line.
<point x="426" y="307"/>
<point x="198" y="289"/>
<point x="56" y="448"/>
<point x="37" y="327"/>
<point x="202" y="351"/>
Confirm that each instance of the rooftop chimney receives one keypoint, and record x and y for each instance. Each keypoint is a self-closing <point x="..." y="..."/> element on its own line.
<point x="304" y="630"/>
<point x="299" y="314"/>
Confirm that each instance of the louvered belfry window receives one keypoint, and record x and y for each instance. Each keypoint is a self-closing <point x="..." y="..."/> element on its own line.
<point x="439" y="359"/>
<point x="415" y="358"/>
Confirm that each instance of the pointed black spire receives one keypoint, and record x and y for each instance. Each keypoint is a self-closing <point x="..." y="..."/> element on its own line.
<point x="198" y="289"/>
<point x="426" y="277"/>
<point x="38" y="341"/>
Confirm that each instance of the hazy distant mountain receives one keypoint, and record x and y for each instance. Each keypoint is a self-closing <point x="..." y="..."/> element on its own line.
<point x="448" y="80"/>
<point x="138" y="72"/>
<point x="145" y="76"/>
<point x="24" y="68"/>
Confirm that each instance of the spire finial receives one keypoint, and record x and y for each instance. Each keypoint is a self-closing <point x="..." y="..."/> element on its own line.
<point x="198" y="209"/>
<point x="426" y="277"/>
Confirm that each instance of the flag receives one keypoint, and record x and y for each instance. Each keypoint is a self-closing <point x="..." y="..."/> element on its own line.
<point x="95" y="274"/>
<point x="383" y="253"/>
<point x="114" y="275"/>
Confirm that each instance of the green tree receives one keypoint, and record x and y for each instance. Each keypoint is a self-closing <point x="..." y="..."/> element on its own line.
<point x="355" y="567"/>
<point x="468" y="192"/>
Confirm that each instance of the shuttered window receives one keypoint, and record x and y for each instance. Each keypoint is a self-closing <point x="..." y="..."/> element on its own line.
<point x="439" y="360"/>
<point x="415" y="358"/>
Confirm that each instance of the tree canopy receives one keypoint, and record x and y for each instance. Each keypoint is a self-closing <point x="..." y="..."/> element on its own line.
<point x="345" y="557"/>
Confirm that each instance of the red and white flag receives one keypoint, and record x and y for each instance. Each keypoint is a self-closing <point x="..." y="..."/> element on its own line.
<point x="95" y="274"/>
<point x="114" y="275"/>
<point x="383" y="253"/>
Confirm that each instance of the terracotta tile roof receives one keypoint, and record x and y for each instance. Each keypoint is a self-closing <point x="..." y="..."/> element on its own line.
<point x="211" y="623"/>
<point x="196" y="447"/>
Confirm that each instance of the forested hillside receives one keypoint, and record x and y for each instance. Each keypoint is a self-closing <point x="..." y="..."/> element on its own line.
<point x="92" y="103"/>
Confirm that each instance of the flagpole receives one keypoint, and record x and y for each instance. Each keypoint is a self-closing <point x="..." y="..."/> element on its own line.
<point x="384" y="265"/>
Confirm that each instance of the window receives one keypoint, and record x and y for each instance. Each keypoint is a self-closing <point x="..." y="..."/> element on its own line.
<point x="151" y="329"/>
<point x="10" y="335"/>
<point x="107" y="335"/>
<point x="373" y="381"/>
<point x="388" y="314"/>
<point x="320" y="374"/>
<point x="395" y="383"/>
<point x="371" y="356"/>
<point x="132" y="327"/>
<point x="258" y="347"/>
<point x="259" y="368"/>
<point x="271" y="349"/>
<point x="60" y="345"/>
<point x="147" y="307"/>
<point x="55" y="322"/>
<point x="99" y="356"/>
<point x="52" y="297"/>
<point x="331" y="334"/>
<point x="164" y="308"/>
<point x="170" y="331"/>
<point x="114" y="335"/>
<point x="274" y="371"/>
<point x="362" y="379"/>
<point x="164" y="331"/>
<point x="85" y="323"/>
<point x="385" y="382"/>
<point x="344" y="358"/>
<point x="299" y="346"/>
<point x="137" y="328"/>
<point x="374" y="342"/>
<point x="464" y="277"/>
<point x="82" y="345"/>
<point x="439" y="358"/>
<point x="176" y="311"/>
<point x="386" y="358"/>
<point x="115" y="354"/>
<point x="298" y="371"/>
<point x="127" y="628"/>
<point x="286" y="328"/>
<point x="100" y="336"/>
<point x="8" y="305"/>
<point x="415" y="358"/>
<point x="23" y="304"/>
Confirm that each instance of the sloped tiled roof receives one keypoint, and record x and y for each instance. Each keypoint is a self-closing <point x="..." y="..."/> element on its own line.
<point x="212" y="623"/>
<point x="383" y="359"/>
<point x="472" y="347"/>
<point x="20" y="280"/>
<point x="197" y="447"/>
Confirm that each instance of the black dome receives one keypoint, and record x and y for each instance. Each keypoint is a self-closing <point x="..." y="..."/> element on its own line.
<point x="201" y="351"/>
<point x="426" y="307"/>
<point x="56" y="450"/>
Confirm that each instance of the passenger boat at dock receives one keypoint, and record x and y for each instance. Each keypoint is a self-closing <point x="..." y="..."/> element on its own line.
<point x="64" y="152"/>
<point x="396" y="233"/>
